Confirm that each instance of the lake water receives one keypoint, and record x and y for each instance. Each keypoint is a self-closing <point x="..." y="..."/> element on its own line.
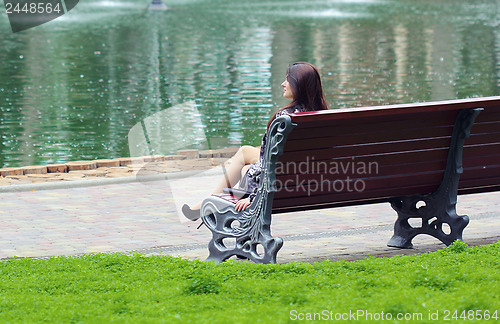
<point x="73" y="88"/>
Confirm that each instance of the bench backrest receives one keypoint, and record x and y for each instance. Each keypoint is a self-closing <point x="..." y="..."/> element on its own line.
<point x="367" y="155"/>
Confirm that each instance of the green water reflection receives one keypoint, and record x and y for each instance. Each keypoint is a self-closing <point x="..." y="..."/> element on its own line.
<point x="73" y="88"/>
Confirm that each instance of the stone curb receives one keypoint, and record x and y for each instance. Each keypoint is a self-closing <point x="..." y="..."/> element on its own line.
<point x="106" y="181"/>
<point x="118" y="162"/>
<point x="75" y="171"/>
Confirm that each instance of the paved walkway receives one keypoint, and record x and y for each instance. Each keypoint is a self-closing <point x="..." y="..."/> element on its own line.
<point x="117" y="215"/>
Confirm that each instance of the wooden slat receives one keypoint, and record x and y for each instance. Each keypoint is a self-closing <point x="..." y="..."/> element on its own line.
<point x="381" y="159"/>
<point x="488" y="115"/>
<point x="371" y="143"/>
<point x="401" y="109"/>
<point x="480" y="139"/>
<point x="470" y="188"/>
<point x="485" y="127"/>
<point x="481" y="172"/>
<point x="384" y="148"/>
<point x="375" y="172"/>
<point x="415" y="120"/>
<point x="482" y="160"/>
<point x="369" y="186"/>
<point x="395" y="124"/>
<point x="335" y="199"/>
<point x="360" y="125"/>
<point x="401" y="152"/>
<point x="330" y="140"/>
<point x="305" y="146"/>
<point x="355" y="169"/>
<point x="481" y="150"/>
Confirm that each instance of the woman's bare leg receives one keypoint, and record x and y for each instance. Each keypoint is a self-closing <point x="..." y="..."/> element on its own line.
<point x="233" y="167"/>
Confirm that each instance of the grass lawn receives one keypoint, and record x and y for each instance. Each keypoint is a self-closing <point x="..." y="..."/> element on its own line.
<point x="458" y="283"/>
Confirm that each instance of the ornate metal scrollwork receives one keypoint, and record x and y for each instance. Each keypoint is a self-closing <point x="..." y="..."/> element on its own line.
<point x="249" y="230"/>
<point x="437" y="208"/>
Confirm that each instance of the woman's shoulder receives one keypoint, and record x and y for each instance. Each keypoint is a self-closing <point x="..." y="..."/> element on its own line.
<point x="290" y="110"/>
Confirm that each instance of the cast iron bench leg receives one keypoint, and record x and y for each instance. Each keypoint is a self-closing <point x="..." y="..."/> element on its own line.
<point x="439" y="207"/>
<point x="245" y="234"/>
<point x="248" y="233"/>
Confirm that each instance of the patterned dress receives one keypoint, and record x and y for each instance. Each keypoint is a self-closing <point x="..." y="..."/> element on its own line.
<point x="250" y="181"/>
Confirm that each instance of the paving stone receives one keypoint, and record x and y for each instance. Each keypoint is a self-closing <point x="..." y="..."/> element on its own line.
<point x="11" y="171"/>
<point x="175" y="157"/>
<point x="18" y="179"/>
<point x="81" y="165"/>
<point x="57" y="168"/>
<point x="198" y="164"/>
<point x="40" y="176"/>
<point x="227" y="152"/>
<point x="74" y="175"/>
<point x="8" y="182"/>
<point x="119" y="174"/>
<point x="190" y="154"/>
<point x="13" y="177"/>
<point x="94" y="173"/>
<point x="119" y="169"/>
<point x="209" y="154"/>
<point x="107" y="163"/>
<point x="34" y="170"/>
<point x="146" y="172"/>
<point x="124" y="161"/>
<point x="154" y="158"/>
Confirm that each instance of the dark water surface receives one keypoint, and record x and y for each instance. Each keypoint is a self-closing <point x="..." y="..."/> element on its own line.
<point x="73" y="88"/>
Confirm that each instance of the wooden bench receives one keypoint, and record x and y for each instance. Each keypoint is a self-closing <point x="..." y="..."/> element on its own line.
<point x="408" y="155"/>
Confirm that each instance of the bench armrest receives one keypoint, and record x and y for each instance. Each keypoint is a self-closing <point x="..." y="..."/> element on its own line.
<point x="236" y="192"/>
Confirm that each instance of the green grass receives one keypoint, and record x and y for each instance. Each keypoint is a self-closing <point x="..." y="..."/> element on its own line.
<point x="103" y="288"/>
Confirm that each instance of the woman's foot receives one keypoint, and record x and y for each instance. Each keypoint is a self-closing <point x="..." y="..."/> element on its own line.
<point x="191" y="214"/>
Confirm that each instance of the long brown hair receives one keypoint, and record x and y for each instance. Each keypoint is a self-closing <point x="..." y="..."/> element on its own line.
<point x="305" y="82"/>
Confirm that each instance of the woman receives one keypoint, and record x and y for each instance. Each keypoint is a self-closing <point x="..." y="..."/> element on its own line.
<point x="303" y="86"/>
